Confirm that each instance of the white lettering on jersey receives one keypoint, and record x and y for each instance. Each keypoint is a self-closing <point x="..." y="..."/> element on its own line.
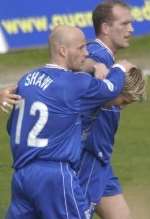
<point x="37" y="79"/>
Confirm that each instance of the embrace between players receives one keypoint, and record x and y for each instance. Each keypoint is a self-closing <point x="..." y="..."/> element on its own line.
<point x="62" y="129"/>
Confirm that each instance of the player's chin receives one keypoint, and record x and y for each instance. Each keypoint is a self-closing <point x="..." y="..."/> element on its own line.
<point x="125" y="44"/>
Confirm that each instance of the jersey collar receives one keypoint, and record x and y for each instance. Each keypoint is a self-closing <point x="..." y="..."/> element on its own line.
<point x="55" y="66"/>
<point x="106" y="47"/>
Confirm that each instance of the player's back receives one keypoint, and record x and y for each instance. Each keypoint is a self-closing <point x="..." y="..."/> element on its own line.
<point x="46" y="124"/>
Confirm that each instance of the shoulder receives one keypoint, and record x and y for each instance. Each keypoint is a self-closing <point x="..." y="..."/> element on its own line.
<point x="80" y="80"/>
<point x="96" y="49"/>
<point x="100" y="53"/>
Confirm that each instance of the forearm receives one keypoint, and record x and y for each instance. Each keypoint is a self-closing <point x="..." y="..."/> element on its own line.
<point x="88" y="66"/>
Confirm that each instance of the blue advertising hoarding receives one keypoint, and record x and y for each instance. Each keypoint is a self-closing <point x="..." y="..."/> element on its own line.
<point x="26" y="23"/>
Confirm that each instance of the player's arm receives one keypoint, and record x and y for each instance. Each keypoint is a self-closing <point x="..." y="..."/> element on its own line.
<point x="101" y="91"/>
<point x="99" y="70"/>
<point x="88" y="65"/>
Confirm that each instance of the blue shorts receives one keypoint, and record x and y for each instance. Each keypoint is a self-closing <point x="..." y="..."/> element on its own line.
<point x="97" y="180"/>
<point x="47" y="190"/>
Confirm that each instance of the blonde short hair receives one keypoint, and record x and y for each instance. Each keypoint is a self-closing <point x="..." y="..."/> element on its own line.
<point x="134" y="84"/>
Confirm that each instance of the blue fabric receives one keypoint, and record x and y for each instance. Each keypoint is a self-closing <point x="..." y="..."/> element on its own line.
<point x="46" y="190"/>
<point x="47" y="124"/>
<point x="99" y="131"/>
<point x="99" y="127"/>
<point x="96" y="179"/>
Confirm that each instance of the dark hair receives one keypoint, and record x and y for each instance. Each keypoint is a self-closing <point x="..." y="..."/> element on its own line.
<point x="103" y="13"/>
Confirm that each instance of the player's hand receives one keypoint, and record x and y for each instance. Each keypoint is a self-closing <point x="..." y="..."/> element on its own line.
<point x="101" y="71"/>
<point x="8" y="98"/>
<point x="126" y="64"/>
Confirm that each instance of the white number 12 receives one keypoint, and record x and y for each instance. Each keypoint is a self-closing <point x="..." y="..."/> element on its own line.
<point x="33" y="140"/>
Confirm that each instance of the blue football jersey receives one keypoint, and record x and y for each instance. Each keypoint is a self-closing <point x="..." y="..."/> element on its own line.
<point x="46" y="124"/>
<point x="100" y="53"/>
<point x="98" y="137"/>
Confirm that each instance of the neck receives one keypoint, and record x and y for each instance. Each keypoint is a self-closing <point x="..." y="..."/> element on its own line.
<point x="108" y="43"/>
<point x="59" y="62"/>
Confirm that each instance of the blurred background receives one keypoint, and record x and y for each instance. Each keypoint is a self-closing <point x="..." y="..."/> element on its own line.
<point x="24" y="29"/>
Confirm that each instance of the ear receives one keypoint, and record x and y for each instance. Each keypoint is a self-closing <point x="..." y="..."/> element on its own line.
<point x="62" y="51"/>
<point x="105" y="28"/>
